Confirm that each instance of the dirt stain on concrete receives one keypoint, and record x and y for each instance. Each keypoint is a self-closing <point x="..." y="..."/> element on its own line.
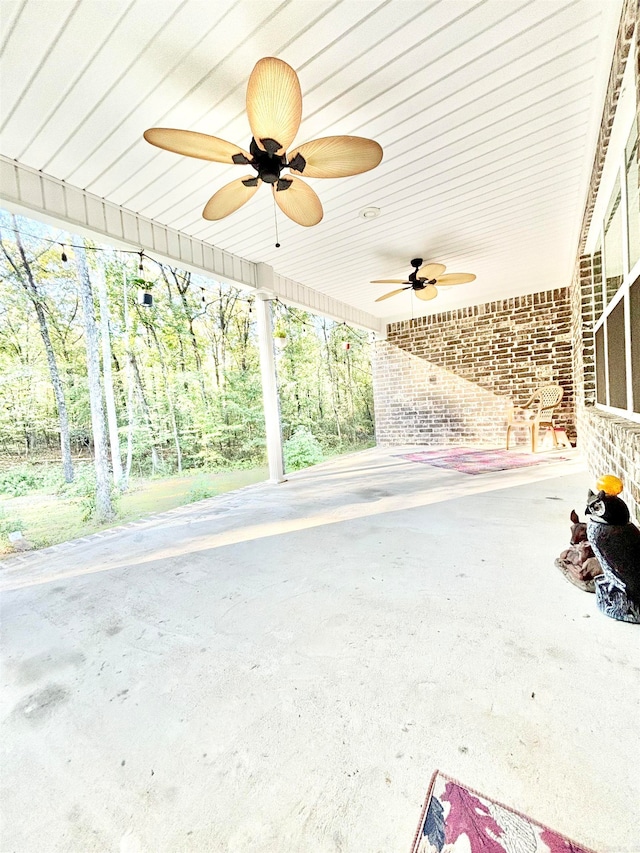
<point x="38" y="667"/>
<point x="39" y="706"/>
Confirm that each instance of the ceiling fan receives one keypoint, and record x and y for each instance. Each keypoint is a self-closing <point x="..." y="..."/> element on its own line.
<point x="274" y="109"/>
<point x="423" y="280"/>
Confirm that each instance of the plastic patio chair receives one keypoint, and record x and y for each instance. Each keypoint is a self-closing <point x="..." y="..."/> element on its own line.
<point x="537" y="412"/>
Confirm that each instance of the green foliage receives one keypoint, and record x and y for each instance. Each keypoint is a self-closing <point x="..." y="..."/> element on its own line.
<point x="83" y="489"/>
<point x="201" y="490"/>
<point x="186" y="375"/>
<point x="19" y="481"/>
<point x="8" y="523"/>
<point x="302" y="450"/>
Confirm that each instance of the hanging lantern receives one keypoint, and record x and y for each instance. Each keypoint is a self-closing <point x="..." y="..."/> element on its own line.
<point x="145" y="296"/>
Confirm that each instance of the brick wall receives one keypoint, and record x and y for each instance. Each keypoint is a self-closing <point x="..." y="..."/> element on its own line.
<point x="446" y="378"/>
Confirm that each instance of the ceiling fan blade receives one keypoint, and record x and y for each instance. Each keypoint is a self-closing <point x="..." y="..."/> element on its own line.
<point x="431" y="271"/>
<point x="230" y="197"/>
<point x="335" y="157"/>
<point x="390" y="281"/>
<point x="427" y="293"/>
<point x="454" y="278"/>
<point x="199" y="145"/>
<point x="393" y="293"/>
<point x="297" y="201"/>
<point x="274" y="104"/>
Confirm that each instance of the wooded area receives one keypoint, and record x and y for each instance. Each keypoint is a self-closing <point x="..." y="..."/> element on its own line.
<point x="88" y="371"/>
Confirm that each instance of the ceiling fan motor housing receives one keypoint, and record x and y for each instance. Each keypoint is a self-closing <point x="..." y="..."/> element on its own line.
<point x="267" y="163"/>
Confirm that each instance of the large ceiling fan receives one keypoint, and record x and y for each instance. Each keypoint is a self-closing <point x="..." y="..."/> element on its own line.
<point x="274" y="109"/>
<point x="423" y="280"/>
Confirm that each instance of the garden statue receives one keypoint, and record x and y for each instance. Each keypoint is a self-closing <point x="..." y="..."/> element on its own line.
<point x="578" y="563"/>
<point x="616" y="543"/>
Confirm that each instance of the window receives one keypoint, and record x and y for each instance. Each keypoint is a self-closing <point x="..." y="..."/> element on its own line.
<point x="634" y="303"/>
<point x="616" y="357"/>
<point x="615" y="266"/>
<point x="601" y="382"/>
<point x="633" y="197"/>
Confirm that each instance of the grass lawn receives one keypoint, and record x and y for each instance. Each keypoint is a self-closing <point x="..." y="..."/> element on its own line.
<point x="48" y="519"/>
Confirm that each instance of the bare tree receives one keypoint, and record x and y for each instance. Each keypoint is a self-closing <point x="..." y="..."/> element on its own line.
<point x="25" y="277"/>
<point x="112" y="419"/>
<point x="332" y="383"/>
<point x="104" y="509"/>
<point x="167" y="392"/>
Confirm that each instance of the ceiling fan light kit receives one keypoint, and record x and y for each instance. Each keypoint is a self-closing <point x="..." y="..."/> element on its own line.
<point x="274" y="110"/>
<point x="423" y="280"/>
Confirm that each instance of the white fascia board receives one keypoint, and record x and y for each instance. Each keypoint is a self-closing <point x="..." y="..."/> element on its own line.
<point x="32" y="193"/>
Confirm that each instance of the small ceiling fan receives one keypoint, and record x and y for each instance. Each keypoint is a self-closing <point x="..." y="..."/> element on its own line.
<point x="423" y="280"/>
<point x="274" y="109"/>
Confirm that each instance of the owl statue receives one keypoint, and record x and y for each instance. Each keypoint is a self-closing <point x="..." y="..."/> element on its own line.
<point x="616" y="543"/>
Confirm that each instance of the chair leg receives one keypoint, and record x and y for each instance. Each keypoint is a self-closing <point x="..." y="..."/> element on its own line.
<point x="555" y="440"/>
<point x="508" y="436"/>
<point x="533" y="437"/>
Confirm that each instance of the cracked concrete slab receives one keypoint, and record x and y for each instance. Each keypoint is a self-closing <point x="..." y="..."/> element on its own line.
<point x="283" y="667"/>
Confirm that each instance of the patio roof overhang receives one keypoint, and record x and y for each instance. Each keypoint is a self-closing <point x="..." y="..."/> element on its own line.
<point x="488" y="113"/>
<point x="33" y="193"/>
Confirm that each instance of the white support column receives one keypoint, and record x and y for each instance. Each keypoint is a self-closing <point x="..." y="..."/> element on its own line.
<point x="270" y="399"/>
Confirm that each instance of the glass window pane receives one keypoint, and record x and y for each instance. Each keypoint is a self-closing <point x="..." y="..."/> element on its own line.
<point x="613" y="269"/>
<point x="633" y="196"/>
<point x="601" y="385"/>
<point x="616" y="357"/>
<point x="634" y="302"/>
<point x="597" y="281"/>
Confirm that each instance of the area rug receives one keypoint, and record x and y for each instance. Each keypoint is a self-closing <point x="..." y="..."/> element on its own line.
<point x="457" y="819"/>
<point x="468" y="461"/>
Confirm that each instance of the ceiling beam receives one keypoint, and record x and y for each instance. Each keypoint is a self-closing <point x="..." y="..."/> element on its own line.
<point x="29" y="191"/>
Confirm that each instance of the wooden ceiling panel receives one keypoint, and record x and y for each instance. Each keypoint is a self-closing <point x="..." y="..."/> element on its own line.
<point x="83" y="87"/>
<point x="487" y="111"/>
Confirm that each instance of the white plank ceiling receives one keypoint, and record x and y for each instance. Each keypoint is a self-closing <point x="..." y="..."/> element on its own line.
<point x="487" y="110"/>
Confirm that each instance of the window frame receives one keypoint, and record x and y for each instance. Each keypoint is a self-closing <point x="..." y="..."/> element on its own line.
<point x="630" y="277"/>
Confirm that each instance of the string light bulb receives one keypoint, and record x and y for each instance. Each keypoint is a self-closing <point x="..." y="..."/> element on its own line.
<point x="63" y="254"/>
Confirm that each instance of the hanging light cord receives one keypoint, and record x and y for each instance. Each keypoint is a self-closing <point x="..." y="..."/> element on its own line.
<point x="275" y="220"/>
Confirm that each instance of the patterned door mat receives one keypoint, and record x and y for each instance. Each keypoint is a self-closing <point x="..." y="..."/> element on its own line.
<point x="457" y="818"/>
<point x="468" y="461"/>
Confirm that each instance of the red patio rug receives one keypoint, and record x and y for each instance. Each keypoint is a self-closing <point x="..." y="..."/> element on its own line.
<point x="456" y="818"/>
<point x="468" y="461"/>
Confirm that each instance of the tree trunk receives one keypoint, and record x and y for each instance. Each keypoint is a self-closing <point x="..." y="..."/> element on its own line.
<point x="331" y="382"/>
<point x="155" y="457"/>
<point x="169" y="398"/>
<point x="104" y="509"/>
<point x="130" y="424"/>
<point x="112" y="418"/>
<point x="31" y="289"/>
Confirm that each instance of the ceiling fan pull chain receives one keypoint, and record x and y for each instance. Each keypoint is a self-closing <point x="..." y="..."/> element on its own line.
<point x="275" y="220"/>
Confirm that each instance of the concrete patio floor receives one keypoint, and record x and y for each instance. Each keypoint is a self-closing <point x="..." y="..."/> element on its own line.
<point x="282" y="668"/>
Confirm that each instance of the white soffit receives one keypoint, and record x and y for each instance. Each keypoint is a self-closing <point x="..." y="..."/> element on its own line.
<point x="487" y="110"/>
<point x="624" y="118"/>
